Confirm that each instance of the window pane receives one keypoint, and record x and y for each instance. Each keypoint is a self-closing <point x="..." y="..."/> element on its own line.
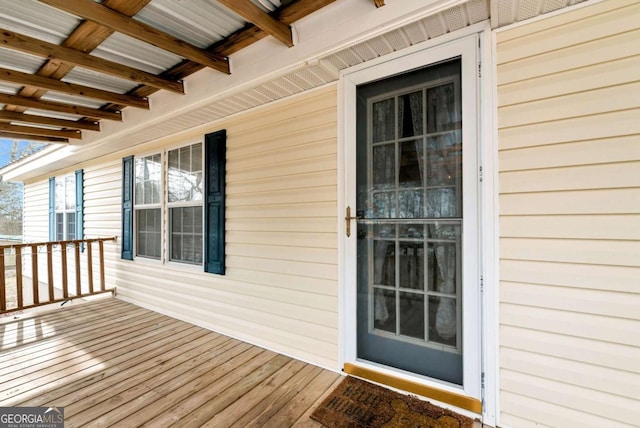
<point x="59" y="226"/>
<point x="185" y="174"/>
<point x="71" y="226"/>
<point x="148" y="233"/>
<point x="186" y="234"/>
<point x="60" y="194"/>
<point x="70" y="192"/>
<point x="148" y="175"/>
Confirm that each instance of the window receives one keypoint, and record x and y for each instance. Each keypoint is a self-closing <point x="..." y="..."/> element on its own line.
<point x="181" y="204"/>
<point x="147" y="206"/>
<point x="185" y="188"/>
<point x="65" y="207"/>
<point x="182" y="221"/>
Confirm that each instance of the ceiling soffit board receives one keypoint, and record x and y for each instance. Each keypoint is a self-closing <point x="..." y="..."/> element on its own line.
<point x="506" y="12"/>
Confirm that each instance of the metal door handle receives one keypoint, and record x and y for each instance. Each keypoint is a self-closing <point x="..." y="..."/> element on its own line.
<point x="348" y="219"/>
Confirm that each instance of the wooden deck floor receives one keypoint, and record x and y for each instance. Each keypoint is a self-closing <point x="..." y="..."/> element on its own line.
<point x="110" y="363"/>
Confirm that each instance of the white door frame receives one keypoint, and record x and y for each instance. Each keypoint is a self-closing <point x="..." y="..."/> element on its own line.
<point x="477" y="128"/>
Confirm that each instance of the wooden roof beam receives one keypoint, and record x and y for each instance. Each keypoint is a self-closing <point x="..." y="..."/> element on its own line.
<point x="43" y="49"/>
<point x="261" y="19"/>
<point x="12" y="116"/>
<point x="42" y="132"/>
<point x="92" y="11"/>
<point x="17" y="100"/>
<point x="17" y="136"/>
<point x="71" y="88"/>
<point x="237" y="41"/>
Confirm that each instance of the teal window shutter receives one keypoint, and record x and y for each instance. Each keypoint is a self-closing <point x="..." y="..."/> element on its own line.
<point x="215" y="150"/>
<point x="80" y="204"/>
<point x="52" y="208"/>
<point x="126" y="247"/>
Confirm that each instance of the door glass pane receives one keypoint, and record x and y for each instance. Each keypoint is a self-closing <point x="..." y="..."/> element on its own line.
<point x="384" y="166"/>
<point x="384" y="311"/>
<point x="383" y="118"/>
<point x="410" y="115"/>
<point x="443" y="321"/>
<point x="412" y="315"/>
<point x="384" y="263"/>
<point x="411" y="170"/>
<point x="412" y="265"/>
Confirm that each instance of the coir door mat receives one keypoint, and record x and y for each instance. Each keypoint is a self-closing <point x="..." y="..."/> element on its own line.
<point x="356" y="403"/>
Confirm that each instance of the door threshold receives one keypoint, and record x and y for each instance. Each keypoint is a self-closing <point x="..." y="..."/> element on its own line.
<point x="458" y="400"/>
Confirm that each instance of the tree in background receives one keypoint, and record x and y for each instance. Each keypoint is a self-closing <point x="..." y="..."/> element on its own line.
<point x="11" y="193"/>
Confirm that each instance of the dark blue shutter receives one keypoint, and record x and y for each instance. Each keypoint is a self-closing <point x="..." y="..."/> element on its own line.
<point x="52" y="208"/>
<point x="127" y="209"/>
<point x="80" y="204"/>
<point x="215" y="150"/>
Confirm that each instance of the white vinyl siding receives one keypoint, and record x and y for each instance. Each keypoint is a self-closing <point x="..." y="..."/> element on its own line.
<point x="569" y="184"/>
<point x="280" y="288"/>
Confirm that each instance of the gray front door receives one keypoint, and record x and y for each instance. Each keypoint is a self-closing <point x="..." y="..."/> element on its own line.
<point x="409" y="231"/>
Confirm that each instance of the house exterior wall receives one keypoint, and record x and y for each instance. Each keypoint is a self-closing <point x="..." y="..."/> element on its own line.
<point x="280" y="288"/>
<point x="569" y="189"/>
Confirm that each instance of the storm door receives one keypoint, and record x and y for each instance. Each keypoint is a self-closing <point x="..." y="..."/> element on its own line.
<point x="409" y="176"/>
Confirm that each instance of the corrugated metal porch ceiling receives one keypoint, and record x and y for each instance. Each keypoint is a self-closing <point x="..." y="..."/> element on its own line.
<point x="203" y="24"/>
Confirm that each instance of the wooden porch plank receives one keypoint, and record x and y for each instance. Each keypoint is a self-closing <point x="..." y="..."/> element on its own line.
<point x="81" y="372"/>
<point x="259" y="415"/>
<point x="56" y="315"/>
<point x="255" y="396"/>
<point x="305" y="420"/>
<point x="69" y="368"/>
<point x="20" y="343"/>
<point x="63" y="319"/>
<point x="142" y="402"/>
<point x="295" y="410"/>
<point x="60" y="349"/>
<point x="202" y="406"/>
<point x="122" y="373"/>
<point x="117" y="364"/>
<point x="72" y="355"/>
<point x="47" y="333"/>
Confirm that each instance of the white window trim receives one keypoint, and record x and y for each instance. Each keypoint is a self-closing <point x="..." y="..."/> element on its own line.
<point x="485" y="359"/>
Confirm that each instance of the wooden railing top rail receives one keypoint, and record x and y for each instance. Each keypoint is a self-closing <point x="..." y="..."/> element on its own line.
<point x="70" y="242"/>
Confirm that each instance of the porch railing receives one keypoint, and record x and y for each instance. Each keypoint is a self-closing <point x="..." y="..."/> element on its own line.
<point x="31" y="253"/>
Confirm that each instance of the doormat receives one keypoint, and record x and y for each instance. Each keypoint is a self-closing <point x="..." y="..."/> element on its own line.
<point x="356" y="403"/>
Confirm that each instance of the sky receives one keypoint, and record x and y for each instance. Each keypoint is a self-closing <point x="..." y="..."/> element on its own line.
<point x="5" y="150"/>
